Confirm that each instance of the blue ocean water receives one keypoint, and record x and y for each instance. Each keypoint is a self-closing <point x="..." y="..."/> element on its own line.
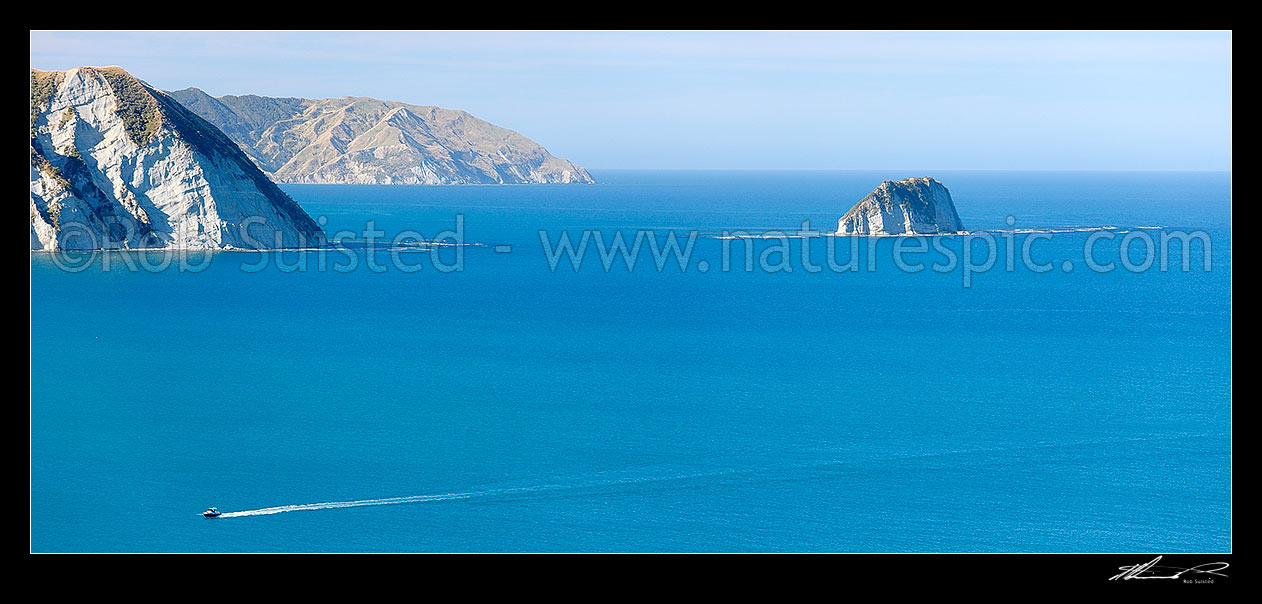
<point x="518" y="408"/>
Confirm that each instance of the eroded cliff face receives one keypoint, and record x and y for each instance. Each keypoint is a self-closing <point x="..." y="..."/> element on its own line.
<point x="117" y="164"/>
<point x="359" y="140"/>
<point x="914" y="206"/>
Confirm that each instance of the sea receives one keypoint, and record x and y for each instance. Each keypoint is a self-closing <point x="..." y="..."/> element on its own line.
<point x="451" y="377"/>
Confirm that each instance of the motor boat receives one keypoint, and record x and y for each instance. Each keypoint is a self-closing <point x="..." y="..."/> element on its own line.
<point x="212" y="513"/>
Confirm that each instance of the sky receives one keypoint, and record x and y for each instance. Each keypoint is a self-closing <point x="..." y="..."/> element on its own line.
<point x="865" y="100"/>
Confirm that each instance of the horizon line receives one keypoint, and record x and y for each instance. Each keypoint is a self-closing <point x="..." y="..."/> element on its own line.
<point x="1199" y="170"/>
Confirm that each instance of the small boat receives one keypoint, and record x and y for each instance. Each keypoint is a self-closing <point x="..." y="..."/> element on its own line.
<point x="212" y="513"/>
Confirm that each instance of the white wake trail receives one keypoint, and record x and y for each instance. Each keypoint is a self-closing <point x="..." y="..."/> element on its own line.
<point x="330" y="505"/>
<point x="672" y="477"/>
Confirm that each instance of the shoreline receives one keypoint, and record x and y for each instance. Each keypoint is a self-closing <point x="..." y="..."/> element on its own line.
<point x="793" y="234"/>
<point x="386" y="247"/>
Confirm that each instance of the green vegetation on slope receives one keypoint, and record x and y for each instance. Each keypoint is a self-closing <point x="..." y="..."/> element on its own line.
<point x="134" y="104"/>
<point x="260" y="111"/>
<point x="53" y="172"/>
<point x="43" y="85"/>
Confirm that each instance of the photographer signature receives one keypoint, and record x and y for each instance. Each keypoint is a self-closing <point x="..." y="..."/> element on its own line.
<point x="1150" y="570"/>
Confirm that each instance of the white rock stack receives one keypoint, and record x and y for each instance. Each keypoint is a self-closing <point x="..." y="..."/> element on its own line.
<point x="915" y="206"/>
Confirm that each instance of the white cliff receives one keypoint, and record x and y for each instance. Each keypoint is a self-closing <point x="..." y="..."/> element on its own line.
<point x="118" y="164"/>
<point x="914" y="206"/>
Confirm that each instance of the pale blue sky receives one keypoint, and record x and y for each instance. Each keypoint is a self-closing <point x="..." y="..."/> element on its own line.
<point x="746" y="100"/>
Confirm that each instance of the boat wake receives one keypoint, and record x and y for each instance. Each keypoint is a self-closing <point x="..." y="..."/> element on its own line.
<point x="783" y="472"/>
<point x="331" y="505"/>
